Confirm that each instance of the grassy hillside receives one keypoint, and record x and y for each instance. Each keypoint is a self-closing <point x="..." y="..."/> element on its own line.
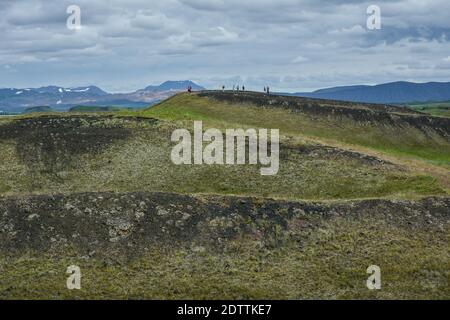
<point x="95" y="109"/>
<point x="359" y="184"/>
<point x="128" y="154"/>
<point x="167" y="246"/>
<point x="394" y="132"/>
<point x="39" y="109"/>
<point x="441" y="109"/>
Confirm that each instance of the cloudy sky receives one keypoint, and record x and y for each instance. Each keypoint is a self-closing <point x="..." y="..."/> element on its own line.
<point x="291" y="45"/>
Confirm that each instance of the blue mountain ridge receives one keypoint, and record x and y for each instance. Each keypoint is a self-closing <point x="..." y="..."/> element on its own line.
<point x="394" y="92"/>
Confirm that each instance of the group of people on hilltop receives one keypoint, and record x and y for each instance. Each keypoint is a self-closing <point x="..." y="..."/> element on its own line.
<point x="235" y="88"/>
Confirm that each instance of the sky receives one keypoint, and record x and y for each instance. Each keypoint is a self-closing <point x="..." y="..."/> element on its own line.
<point x="290" y="45"/>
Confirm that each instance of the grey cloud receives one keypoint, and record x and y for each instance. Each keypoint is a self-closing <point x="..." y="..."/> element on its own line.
<point x="290" y="45"/>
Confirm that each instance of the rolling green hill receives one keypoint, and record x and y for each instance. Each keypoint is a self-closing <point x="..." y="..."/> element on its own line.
<point x="359" y="184"/>
<point x="39" y="109"/>
<point x="436" y="109"/>
<point x="95" y="109"/>
<point x="393" y="130"/>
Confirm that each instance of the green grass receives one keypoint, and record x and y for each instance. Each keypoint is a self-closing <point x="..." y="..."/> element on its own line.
<point x="441" y="109"/>
<point x="95" y="109"/>
<point x="39" y="109"/>
<point x="405" y="141"/>
<point x="141" y="162"/>
<point x="310" y="256"/>
<point x="329" y="263"/>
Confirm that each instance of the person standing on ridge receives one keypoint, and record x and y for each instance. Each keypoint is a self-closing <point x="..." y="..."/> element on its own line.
<point x="243" y="88"/>
<point x="223" y="88"/>
<point x="268" y="90"/>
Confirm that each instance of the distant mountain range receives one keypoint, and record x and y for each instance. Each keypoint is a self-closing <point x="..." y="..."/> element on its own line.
<point x="62" y="99"/>
<point x="394" y="93"/>
<point x="174" y="86"/>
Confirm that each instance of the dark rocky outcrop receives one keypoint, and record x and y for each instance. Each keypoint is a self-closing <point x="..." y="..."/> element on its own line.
<point x="129" y="223"/>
